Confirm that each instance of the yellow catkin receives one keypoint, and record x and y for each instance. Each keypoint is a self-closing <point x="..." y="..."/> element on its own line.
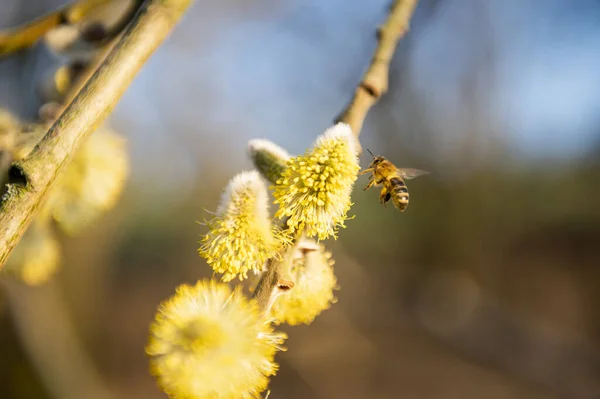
<point x="314" y="286"/>
<point x="209" y="342"/>
<point x="314" y="190"/>
<point x="92" y="183"/>
<point x="36" y="257"/>
<point x="241" y="237"/>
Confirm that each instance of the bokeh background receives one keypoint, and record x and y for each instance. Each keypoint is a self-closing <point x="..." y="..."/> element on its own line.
<point x="486" y="287"/>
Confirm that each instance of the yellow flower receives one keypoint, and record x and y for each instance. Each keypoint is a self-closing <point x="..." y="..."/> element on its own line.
<point x="314" y="190"/>
<point x="209" y="342"/>
<point x="314" y="284"/>
<point x="268" y="158"/>
<point x="92" y="183"/>
<point x="241" y="236"/>
<point x="36" y="257"/>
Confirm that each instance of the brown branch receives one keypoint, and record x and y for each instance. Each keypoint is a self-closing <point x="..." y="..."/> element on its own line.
<point x="267" y="289"/>
<point x="375" y="81"/>
<point x="31" y="179"/>
<point x="26" y="35"/>
<point x="275" y="280"/>
<point x="373" y="85"/>
<point x="125" y="19"/>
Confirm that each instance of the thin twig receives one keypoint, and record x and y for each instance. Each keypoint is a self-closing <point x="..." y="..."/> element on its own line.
<point x="275" y="280"/>
<point x="373" y="85"/>
<point x="31" y="178"/>
<point x="376" y="80"/>
<point x="267" y="289"/>
<point x="26" y="35"/>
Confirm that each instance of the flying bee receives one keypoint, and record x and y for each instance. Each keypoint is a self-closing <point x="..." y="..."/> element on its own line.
<point x="393" y="180"/>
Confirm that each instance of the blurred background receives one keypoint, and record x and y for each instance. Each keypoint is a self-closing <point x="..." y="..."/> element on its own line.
<point x="486" y="287"/>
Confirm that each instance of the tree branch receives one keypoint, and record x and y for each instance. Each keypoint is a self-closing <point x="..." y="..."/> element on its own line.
<point x="31" y="178"/>
<point x="375" y="81"/>
<point x="373" y="85"/>
<point x="275" y="280"/>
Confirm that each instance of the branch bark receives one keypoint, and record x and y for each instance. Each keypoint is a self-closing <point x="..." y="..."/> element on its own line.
<point x="275" y="280"/>
<point x="375" y="82"/>
<point x="31" y="178"/>
<point x="373" y="85"/>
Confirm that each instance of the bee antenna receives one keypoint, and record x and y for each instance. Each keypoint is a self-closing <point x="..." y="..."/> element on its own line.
<point x="371" y="153"/>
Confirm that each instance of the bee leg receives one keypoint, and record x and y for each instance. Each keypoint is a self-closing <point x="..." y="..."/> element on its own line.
<point x="384" y="196"/>
<point x="365" y="171"/>
<point x="371" y="184"/>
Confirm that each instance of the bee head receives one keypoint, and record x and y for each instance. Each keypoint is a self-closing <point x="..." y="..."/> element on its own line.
<point x="376" y="159"/>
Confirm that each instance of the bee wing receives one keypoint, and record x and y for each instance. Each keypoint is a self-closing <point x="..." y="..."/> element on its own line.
<point x="410" y="173"/>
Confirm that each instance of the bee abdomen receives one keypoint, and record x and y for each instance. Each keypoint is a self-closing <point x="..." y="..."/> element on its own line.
<point x="398" y="186"/>
<point x="399" y="193"/>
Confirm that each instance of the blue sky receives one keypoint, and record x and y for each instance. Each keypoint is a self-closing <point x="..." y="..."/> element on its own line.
<point x="283" y="70"/>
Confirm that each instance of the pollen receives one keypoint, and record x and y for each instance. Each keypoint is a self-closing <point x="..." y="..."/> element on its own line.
<point x="241" y="237"/>
<point x="314" y="190"/>
<point x="210" y="342"/>
<point x="314" y="287"/>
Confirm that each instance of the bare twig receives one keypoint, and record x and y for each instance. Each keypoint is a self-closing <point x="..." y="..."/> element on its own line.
<point x="373" y="85"/>
<point x="275" y="280"/>
<point x="375" y="81"/>
<point x="31" y="178"/>
<point x="267" y="288"/>
<point x="26" y="35"/>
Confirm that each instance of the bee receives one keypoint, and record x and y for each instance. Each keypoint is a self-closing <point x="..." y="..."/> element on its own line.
<point x="393" y="180"/>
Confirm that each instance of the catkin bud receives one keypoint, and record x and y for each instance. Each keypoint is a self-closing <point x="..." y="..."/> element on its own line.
<point x="268" y="158"/>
